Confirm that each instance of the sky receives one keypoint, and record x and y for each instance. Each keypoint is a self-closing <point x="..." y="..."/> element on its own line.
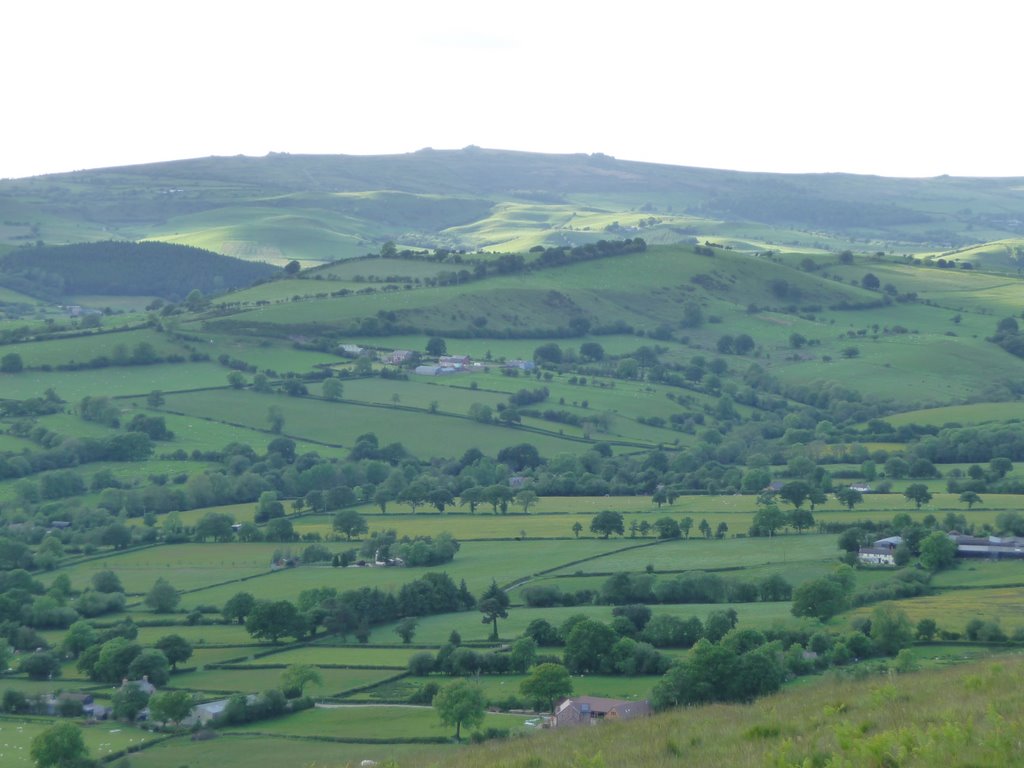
<point x="896" y="88"/>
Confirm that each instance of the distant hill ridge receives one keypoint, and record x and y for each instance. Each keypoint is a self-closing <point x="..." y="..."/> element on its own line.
<point x="326" y="207"/>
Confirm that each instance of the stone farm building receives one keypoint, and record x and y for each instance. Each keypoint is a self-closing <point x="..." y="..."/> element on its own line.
<point x="590" y="710"/>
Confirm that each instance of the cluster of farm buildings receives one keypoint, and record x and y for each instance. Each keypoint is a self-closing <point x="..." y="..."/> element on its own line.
<point x="444" y="366"/>
<point x="883" y="551"/>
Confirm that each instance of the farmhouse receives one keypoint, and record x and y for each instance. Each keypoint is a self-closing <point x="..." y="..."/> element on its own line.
<point x="396" y="357"/>
<point x="590" y="710"/>
<point x="882" y="552"/>
<point x="454" y="361"/>
<point x="876" y="556"/>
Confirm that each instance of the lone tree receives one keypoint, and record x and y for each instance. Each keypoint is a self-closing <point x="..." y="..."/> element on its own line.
<point x="176" y="648"/>
<point x="406" y="629"/>
<point x="795" y="492"/>
<point x="297" y="676"/>
<point x="801" y="519"/>
<point x="238" y="607"/>
<point x="768" y="519"/>
<point x="918" y="493"/>
<point x="493" y="605"/>
<point x="460" y="703"/>
<point x="970" y="498"/>
<point x="162" y="598"/>
<point x="170" y="706"/>
<point x="547" y="683"/>
<point x="525" y="499"/>
<point x="938" y="551"/>
<point x="11" y="363"/>
<point x="333" y="389"/>
<point x="60" y="745"/>
<point x="606" y="522"/>
<point x="823" y="598"/>
<point x="351" y="523"/>
<point x="436" y="346"/>
<point x="276" y="419"/>
<point x="272" y="620"/>
<point x="849" y="497"/>
<point x="891" y="629"/>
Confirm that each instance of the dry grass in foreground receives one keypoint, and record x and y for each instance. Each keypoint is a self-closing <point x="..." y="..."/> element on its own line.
<point x="969" y="715"/>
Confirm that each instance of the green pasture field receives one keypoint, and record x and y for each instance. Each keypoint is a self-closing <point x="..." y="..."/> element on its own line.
<point x="266" y="354"/>
<point x="347" y="271"/>
<point x="435" y="630"/>
<point x="911" y="369"/>
<point x="43" y="687"/>
<point x="131" y="304"/>
<point x="340" y="423"/>
<point x="937" y="656"/>
<point x="240" y="512"/>
<point x="237" y="751"/>
<point x="476" y="562"/>
<point x="186" y="566"/>
<point x="70" y="424"/>
<point x="952" y="610"/>
<point x="553" y="517"/>
<point x="971" y="413"/>
<point x="452" y="394"/>
<point x="101" y="739"/>
<point x="202" y="656"/>
<point x="258" y="234"/>
<point x="15" y="444"/>
<point x="794" y="573"/>
<point x="588" y="285"/>
<point x="84" y="348"/>
<point x="992" y="255"/>
<point x="964" y="292"/>
<point x="464" y="526"/>
<point x="253" y="680"/>
<point x="138" y="472"/>
<point x="349" y="655"/>
<point x="981" y="573"/>
<point x="275" y="291"/>
<point x="131" y="380"/>
<point x="625" y="400"/>
<point x="8" y="296"/>
<point x="200" y="635"/>
<point x="377" y="722"/>
<point x="204" y="433"/>
<point x="701" y="554"/>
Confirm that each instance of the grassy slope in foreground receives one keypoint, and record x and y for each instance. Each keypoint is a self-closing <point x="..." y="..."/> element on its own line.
<point x="906" y="720"/>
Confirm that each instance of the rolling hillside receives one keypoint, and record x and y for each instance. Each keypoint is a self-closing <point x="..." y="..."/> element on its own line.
<point x="640" y="409"/>
<point x="322" y="208"/>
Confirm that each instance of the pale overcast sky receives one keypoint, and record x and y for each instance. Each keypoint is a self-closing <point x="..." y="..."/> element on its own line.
<point x="899" y="88"/>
